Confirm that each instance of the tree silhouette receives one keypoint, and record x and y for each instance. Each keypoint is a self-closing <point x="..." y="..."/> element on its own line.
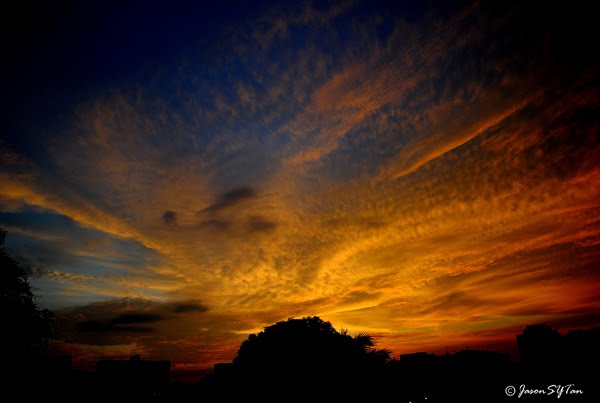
<point x="26" y="329"/>
<point x="306" y="351"/>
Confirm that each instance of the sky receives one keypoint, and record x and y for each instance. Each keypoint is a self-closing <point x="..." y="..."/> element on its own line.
<point x="177" y="175"/>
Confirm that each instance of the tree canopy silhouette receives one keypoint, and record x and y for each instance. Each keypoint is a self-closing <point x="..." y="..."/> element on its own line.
<point x="306" y="342"/>
<point x="307" y="351"/>
<point x="26" y="329"/>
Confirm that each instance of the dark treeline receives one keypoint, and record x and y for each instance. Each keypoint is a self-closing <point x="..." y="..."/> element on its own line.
<point x="26" y="329"/>
<point x="310" y="360"/>
<point x="304" y="359"/>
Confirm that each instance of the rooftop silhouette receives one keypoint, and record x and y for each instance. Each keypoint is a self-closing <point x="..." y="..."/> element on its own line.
<point x="133" y="377"/>
<point x="309" y="351"/>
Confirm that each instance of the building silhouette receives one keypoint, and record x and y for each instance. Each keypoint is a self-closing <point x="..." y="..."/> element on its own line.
<point x="545" y="349"/>
<point x="539" y="345"/>
<point x="467" y="375"/>
<point x="133" y="377"/>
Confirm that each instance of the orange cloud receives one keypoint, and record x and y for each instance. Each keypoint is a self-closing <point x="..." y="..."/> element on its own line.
<point x="415" y="192"/>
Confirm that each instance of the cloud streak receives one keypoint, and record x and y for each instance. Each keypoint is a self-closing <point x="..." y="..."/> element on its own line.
<point x="231" y="198"/>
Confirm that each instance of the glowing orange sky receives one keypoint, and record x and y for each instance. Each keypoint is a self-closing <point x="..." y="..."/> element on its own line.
<point x="436" y="190"/>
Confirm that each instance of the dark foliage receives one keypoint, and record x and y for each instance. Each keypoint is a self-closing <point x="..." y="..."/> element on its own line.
<point x="306" y="351"/>
<point x="304" y="343"/>
<point x="26" y="329"/>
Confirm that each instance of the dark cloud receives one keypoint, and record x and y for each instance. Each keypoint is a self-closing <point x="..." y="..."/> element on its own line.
<point x="120" y="323"/>
<point x="189" y="307"/>
<point x="169" y="217"/>
<point x="260" y="224"/>
<point x="231" y="198"/>
<point x="94" y="326"/>
<point x="116" y="322"/>
<point x="252" y="224"/>
<point x="136" y="317"/>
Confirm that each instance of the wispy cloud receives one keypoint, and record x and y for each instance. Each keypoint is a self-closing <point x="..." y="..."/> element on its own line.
<point x="231" y="198"/>
<point x="406" y="178"/>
